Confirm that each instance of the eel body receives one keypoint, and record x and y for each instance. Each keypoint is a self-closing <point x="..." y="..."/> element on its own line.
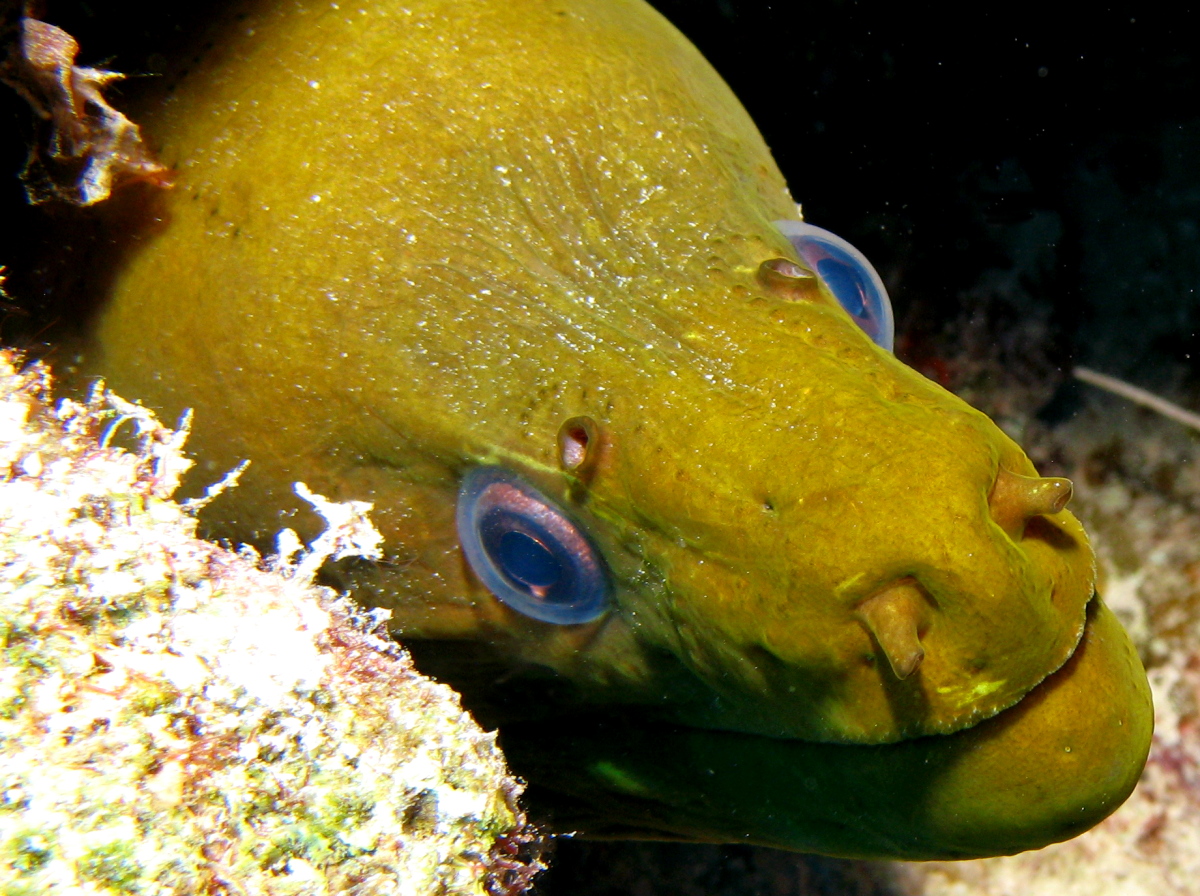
<point x="840" y="612"/>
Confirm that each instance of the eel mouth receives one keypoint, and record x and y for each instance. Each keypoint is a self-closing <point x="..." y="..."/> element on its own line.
<point x="1044" y="770"/>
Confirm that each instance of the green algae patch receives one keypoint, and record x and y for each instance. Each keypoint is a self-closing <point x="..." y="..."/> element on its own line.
<point x="179" y="718"/>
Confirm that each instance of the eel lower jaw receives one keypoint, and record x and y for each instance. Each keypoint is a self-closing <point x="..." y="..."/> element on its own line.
<point x="1044" y="770"/>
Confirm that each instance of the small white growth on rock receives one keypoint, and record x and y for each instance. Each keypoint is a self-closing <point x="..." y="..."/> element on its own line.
<point x="175" y="719"/>
<point x="348" y="533"/>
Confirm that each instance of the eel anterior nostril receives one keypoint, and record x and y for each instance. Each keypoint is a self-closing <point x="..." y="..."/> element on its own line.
<point x="895" y="617"/>
<point x="788" y="281"/>
<point x="1016" y="499"/>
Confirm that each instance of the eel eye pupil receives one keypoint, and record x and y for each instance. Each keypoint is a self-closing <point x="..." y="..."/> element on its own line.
<point x="528" y="561"/>
<point x="527" y="552"/>
<point x="845" y="283"/>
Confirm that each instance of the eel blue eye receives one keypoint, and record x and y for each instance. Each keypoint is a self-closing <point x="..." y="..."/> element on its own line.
<point x="847" y="274"/>
<point x="527" y="552"/>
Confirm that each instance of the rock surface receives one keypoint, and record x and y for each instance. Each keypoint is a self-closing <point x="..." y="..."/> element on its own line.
<point x="178" y="718"/>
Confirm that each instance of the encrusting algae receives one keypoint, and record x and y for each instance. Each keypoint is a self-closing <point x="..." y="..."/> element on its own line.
<point x="175" y="719"/>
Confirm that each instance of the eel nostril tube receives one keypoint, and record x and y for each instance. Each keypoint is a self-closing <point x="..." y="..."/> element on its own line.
<point x="894" y="617"/>
<point x="787" y="280"/>
<point x="1016" y="499"/>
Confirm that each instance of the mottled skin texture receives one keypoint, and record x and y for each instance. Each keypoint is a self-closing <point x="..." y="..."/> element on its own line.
<point x="409" y="239"/>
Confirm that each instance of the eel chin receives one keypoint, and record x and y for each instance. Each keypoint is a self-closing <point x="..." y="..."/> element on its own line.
<point x="1048" y="768"/>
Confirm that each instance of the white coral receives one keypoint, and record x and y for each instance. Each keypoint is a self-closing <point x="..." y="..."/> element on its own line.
<point x="174" y="719"/>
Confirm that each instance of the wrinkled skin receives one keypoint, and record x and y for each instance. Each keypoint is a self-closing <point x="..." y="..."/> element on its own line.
<point x="412" y="239"/>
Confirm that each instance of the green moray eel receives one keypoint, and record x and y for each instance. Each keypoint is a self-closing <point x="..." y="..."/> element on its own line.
<point x="836" y="609"/>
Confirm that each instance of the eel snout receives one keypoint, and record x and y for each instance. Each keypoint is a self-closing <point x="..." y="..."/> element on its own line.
<point x="898" y="615"/>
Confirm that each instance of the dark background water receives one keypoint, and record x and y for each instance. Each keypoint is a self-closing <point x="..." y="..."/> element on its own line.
<point x="1016" y="172"/>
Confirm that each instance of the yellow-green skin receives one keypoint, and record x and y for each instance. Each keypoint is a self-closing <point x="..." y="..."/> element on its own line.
<point x="411" y="238"/>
